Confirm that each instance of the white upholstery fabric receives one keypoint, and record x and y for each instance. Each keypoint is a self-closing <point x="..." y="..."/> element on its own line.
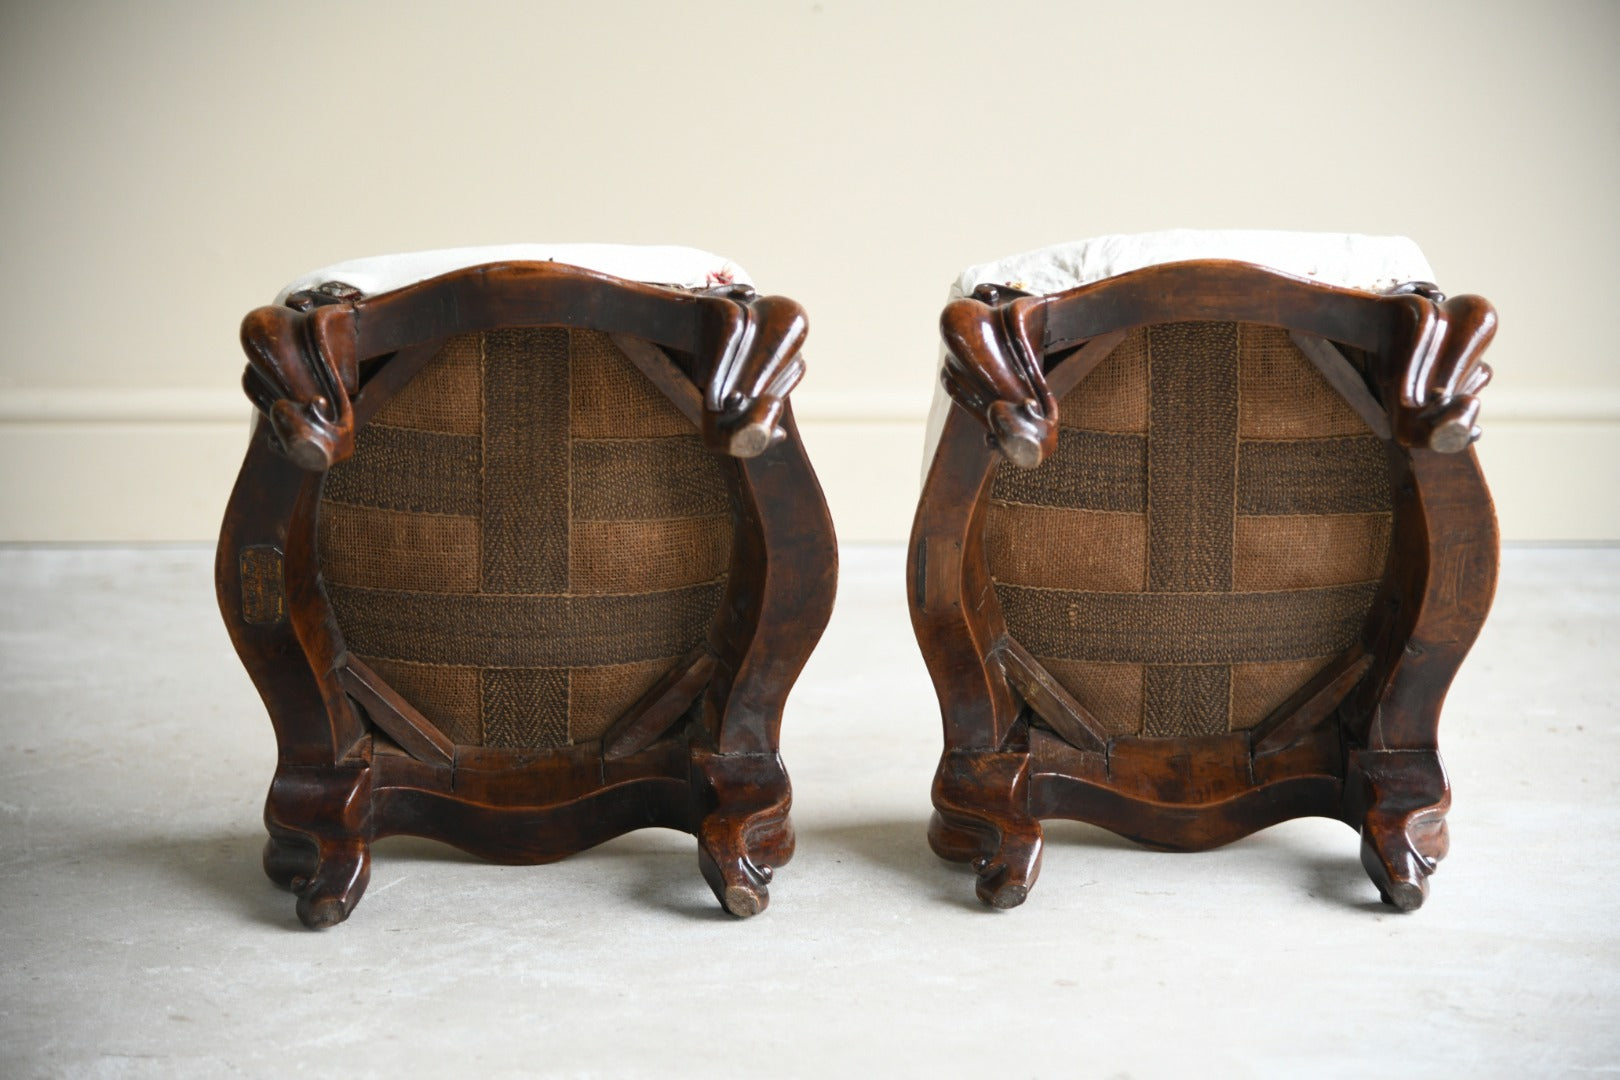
<point x="1371" y="263"/>
<point x="659" y="265"/>
<point x="1350" y="260"/>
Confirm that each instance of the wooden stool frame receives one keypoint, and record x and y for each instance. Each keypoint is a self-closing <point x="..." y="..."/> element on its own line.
<point x="357" y="762"/>
<point x="1359" y="741"/>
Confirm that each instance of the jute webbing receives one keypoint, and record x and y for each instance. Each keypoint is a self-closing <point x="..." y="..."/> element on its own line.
<point x="527" y="538"/>
<point x="1209" y="534"/>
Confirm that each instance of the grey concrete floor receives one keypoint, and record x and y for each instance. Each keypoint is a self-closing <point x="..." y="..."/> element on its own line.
<point x="139" y="938"/>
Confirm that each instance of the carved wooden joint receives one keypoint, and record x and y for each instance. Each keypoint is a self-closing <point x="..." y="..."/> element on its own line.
<point x="993" y="370"/>
<point x="1432" y="396"/>
<point x="752" y="343"/>
<point x="302" y="371"/>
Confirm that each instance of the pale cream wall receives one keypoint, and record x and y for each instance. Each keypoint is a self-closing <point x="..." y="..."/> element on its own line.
<point x="166" y="167"/>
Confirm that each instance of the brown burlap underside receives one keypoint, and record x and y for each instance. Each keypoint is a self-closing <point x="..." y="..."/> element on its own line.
<point x="1258" y="689"/>
<point x="1298" y="552"/>
<point x="1112" y="693"/>
<point x="1116" y="397"/>
<point x="527" y="538"/>
<point x="647" y="556"/>
<point x="446" y="396"/>
<point x="610" y="399"/>
<point x="1282" y="398"/>
<point x="597" y="696"/>
<point x="386" y="549"/>
<point x="445" y="694"/>
<point x="1035" y="545"/>
<point x="1248" y="531"/>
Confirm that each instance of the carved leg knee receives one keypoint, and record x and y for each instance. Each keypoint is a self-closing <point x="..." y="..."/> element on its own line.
<point x="320" y="840"/>
<point x="980" y="817"/>
<point x="747" y="833"/>
<point x="1403" y="802"/>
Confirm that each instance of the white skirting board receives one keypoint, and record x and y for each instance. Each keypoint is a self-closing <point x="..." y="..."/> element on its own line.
<point x="105" y="465"/>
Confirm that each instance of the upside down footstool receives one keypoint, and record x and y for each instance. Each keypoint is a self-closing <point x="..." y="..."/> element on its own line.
<point x="1202" y="542"/>
<point x="525" y="553"/>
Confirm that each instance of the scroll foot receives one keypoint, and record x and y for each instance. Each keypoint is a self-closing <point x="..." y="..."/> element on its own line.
<point x="738" y="881"/>
<point x="747" y="834"/>
<point x="320" y="840"/>
<point x="979" y="818"/>
<point x="328" y="896"/>
<point x="1403" y="822"/>
<point x="1005" y="853"/>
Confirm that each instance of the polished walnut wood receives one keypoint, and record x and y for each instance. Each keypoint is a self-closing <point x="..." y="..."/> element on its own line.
<point x="356" y="760"/>
<point x="1358" y="742"/>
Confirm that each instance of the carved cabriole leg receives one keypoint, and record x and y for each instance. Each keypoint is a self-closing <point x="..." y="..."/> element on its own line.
<point x="1396" y="792"/>
<point x="778" y="598"/>
<point x="954" y="610"/>
<point x="777" y="601"/>
<point x="274" y="610"/>
<point x="981" y="790"/>
<point x="319" y="820"/>
<point x="981" y="816"/>
<point x="745" y="833"/>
